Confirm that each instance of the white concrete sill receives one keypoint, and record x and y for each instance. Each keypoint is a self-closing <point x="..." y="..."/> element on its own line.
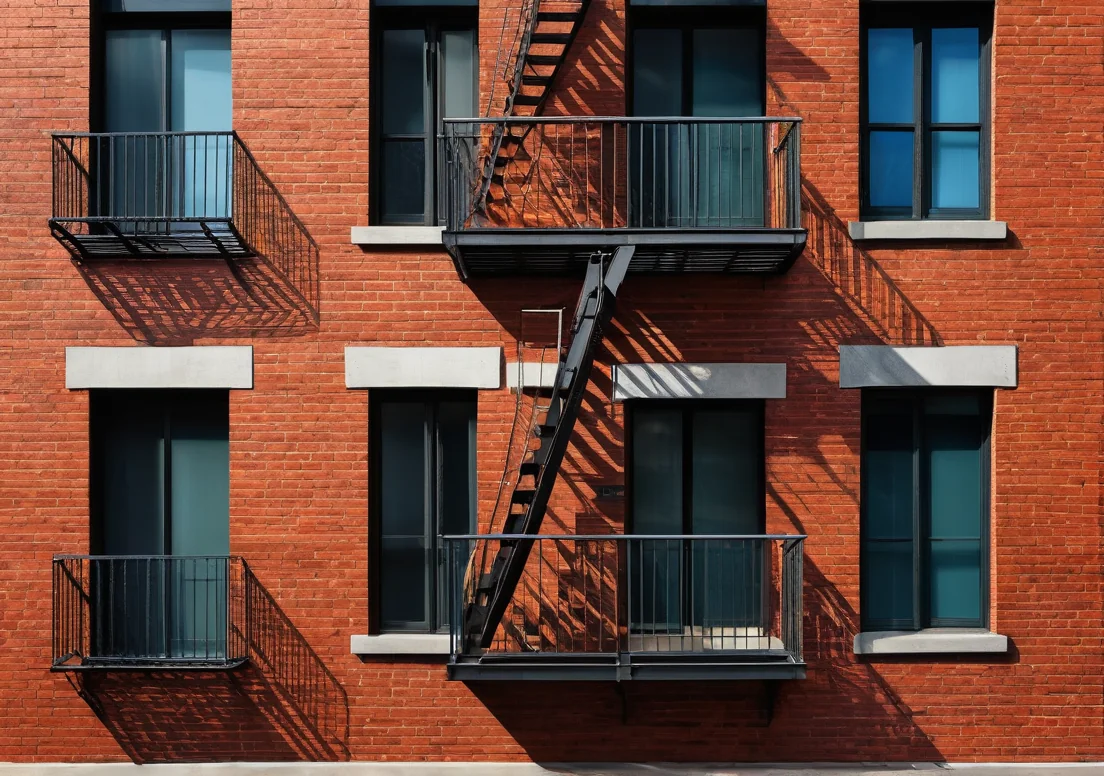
<point x="400" y="644"/>
<point x="397" y="235"/>
<point x="927" y="230"/>
<point x="934" y="641"/>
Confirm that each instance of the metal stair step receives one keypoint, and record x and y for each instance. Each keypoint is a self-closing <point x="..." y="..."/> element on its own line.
<point x="528" y="99"/>
<point x="536" y="80"/>
<point x="529" y="469"/>
<point x="522" y="497"/>
<point x="544" y="430"/>
<point x="550" y="37"/>
<point x="542" y="59"/>
<point x="557" y="16"/>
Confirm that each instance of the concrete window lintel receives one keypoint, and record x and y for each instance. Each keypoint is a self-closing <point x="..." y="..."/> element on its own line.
<point x="974" y="366"/>
<point x="423" y="367"/>
<point x="699" y="381"/>
<point x="205" y="366"/>
<point x="928" y="230"/>
<point x="400" y="644"/>
<point x="397" y="235"/>
<point x="941" y="641"/>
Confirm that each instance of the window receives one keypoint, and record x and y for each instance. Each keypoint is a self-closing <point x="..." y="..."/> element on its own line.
<point x="696" y="469"/>
<point x="925" y="111"/>
<point x="160" y="486"/>
<point x="925" y="509"/>
<point x="692" y="64"/>
<point x="425" y="487"/>
<point x="163" y="71"/>
<point x="424" y="71"/>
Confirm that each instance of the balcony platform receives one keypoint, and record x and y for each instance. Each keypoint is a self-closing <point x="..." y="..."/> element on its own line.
<point x="713" y="665"/>
<point x="89" y="240"/>
<point x="505" y="251"/>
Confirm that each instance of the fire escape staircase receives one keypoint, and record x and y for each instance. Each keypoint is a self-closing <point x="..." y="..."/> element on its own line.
<point x="496" y="581"/>
<point x="547" y="30"/>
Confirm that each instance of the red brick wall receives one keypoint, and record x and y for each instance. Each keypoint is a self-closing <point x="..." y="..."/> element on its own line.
<point x="299" y="471"/>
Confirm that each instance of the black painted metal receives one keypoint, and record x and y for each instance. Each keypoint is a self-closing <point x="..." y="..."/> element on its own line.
<point x="495" y="581"/>
<point x="523" y="69"/>
<point x="646" y="607"/>
<point x="693" y="195"/>
<point x="193" y="195"/>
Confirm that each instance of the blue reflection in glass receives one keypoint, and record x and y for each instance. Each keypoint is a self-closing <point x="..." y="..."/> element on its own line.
<point x="955" y="170"/>
<point x="889" y="70"/>
<point x="955" y="54"/>
<point x="891" y="169"/>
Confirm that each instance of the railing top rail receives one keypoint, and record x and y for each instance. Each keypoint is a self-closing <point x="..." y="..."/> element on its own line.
<point x="64" y="556"/>
<point x="62" y="135"/>
<point x="625" y="537"/>
<point x="625" y="120"/>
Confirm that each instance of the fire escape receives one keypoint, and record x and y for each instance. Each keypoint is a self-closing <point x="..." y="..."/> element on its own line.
<point x="604" y="197"/>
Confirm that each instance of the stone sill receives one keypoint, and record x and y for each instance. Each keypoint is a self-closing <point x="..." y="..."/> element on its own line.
<point x="401" y="644"/>
<point x="934" y="641"/>
<point x="397" y="235"/>
<point x="928" y="230"/>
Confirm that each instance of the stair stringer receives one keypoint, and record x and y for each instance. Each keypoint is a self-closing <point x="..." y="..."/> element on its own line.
<point x="595" y="310"/>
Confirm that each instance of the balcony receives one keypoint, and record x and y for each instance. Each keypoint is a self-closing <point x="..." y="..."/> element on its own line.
<point x="118" y="611"/>
<point x="621" y="607"/>
<point x="539" y="195"/>
<point x="172" y="195"/>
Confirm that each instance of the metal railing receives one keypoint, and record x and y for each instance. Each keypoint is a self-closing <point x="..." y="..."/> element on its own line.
<point x="624" y="173"/>
<point x="143" y="187"/>
<point x="616" y="594"/>
<point x="148" y="610"/>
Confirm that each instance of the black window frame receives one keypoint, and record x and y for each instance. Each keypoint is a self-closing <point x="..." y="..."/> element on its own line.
<point x="433" y="20"/>
<point x="687" y="407"/>
<point x="686" y="19"/>
<point x="921" y="513"/>
<point x="102" y="401"/>
<point x="922" y="18"/>
<point x="102" y="21"/>
<point x="434" y="397"/>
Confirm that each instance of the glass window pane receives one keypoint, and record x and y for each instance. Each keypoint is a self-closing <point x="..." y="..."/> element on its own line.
<point x="955" y="179"/>
<point x="955" y="467"/>
<point x="657" y="72"/>
<point x="201" y="81"/>
<point x="458" y="57"/>
<point x="889" y="76"/>
<point x="403" y="512"/>
<point x="657" y="471"/>
<point x="129" y="436"/>
<point x="891" y="169"/>
<point x="404" y="82"/>
<point x="954" y="87"/>
<point x="888" y="484"/>
<point x="402" y="181"/>
<point x="133" y="81"/>
<point x="887" y="582"/>
<point x="956" y="580"/>
<point x="726" y="468"/>
<point x="727" y="75"/>
<point x="456" y="440"/>
<point x="200" y="447"/>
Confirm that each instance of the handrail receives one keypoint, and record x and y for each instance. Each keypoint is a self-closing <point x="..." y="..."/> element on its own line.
<point x="622" y="537"/>
<point x="625" y="120"/>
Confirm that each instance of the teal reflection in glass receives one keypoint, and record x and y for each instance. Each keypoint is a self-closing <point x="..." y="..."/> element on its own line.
<point x="956" y="581"/>
<point x="887" y="580"/>
<point x="891" y="160"/>
<point x="889" y="76"/>
<point x="955" y="179"/>
<point x="954" y="72"/>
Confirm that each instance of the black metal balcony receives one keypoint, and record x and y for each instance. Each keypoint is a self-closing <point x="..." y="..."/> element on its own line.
<point x="148" y="611"/>
<point x="634" y="607"/>
<point x="541" y="194"/>
<point x="173" y="195"/>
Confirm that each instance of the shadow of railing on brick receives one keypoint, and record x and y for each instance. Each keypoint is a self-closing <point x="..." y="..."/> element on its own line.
<point x="282" y="704"/>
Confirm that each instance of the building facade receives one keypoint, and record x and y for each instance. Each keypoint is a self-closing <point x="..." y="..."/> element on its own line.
<point x="555" y="381"/>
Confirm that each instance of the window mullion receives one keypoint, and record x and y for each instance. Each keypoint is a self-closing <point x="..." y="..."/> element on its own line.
<point x="918" y="504"/>
<point x="921" y="58"/>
